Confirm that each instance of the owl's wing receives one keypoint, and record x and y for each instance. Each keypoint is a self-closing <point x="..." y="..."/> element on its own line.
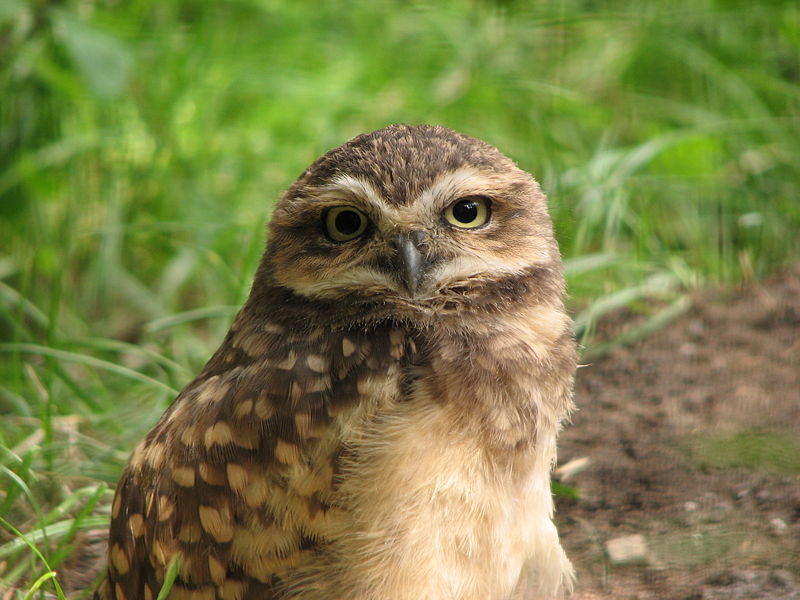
<point x="236" y="481"/>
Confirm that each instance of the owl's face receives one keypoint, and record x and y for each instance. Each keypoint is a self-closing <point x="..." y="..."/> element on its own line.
<point x="416" y="218"/>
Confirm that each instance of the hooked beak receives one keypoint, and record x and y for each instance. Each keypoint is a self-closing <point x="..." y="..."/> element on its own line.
<point x="411" y="263"/>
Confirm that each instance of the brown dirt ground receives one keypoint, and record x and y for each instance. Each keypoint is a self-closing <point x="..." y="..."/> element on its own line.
<point x="648" y="416"/>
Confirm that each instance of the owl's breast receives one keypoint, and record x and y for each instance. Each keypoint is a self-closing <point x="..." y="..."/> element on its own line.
<point x="429" y="512"/>
<point x="426" y="510"/>
<point x="388" y="461"/>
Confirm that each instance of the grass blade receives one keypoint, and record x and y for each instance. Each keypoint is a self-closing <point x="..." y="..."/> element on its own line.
<point x="88" y="361"/>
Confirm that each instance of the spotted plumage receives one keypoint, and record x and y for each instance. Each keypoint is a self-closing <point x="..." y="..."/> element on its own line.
<point x="380" y="421"/>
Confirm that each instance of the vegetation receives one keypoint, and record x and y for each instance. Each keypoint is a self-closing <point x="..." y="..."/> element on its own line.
<point x="758" y="450"/>
<point x="142" y="145"/>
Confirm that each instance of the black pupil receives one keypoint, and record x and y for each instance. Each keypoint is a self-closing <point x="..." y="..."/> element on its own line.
<point x="466" y="211"/>
<point x="348" y="222"/>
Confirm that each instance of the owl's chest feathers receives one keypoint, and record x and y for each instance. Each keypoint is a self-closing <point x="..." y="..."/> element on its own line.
<point x="441" y="446"/>
<point x="442" y="477"/>
<point x="474" y="395"/>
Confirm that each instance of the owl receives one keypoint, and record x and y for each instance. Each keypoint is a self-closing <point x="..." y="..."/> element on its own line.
<point x="380" y="421"/>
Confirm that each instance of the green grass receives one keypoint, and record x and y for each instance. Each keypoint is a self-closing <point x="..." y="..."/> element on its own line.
<point x="143" y="144"/>
<point x="756" y="450"/>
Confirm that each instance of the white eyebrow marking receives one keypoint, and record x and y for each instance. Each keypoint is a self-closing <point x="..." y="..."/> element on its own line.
<point x="385" y="213"/>
<point x="455" y="184"/>
<point x="356" y="186"/>
<point x="423" y="210"/>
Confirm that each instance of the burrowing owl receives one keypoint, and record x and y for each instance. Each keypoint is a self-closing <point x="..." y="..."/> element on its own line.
<point x="380" y="421"/>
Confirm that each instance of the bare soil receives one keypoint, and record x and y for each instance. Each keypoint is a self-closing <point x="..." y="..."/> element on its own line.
<point x="693" y="441"/>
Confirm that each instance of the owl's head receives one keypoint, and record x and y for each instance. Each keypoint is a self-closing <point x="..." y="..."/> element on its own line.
<point x="417" y="220"/>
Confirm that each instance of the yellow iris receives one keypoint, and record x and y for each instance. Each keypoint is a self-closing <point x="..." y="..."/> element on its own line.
<point x="468" y="213"/>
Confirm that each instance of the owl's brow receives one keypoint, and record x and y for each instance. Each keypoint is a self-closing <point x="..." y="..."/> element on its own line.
<point x="442" y="191"/>
<point x="356" y="187"/>
<point x="454" y="184"/>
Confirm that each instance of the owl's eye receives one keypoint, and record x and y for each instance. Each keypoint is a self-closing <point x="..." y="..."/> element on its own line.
<point x="468" y="213"/>
<point x="344" y="223"/>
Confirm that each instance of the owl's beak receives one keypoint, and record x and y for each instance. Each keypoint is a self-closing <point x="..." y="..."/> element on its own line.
<point x="411" y="263"/>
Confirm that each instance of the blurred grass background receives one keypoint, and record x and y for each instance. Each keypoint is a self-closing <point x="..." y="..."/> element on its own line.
<point x="142" y="145"/>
